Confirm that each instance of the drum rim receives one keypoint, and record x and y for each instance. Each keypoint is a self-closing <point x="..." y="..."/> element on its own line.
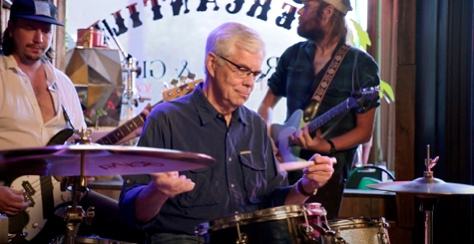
<point x="263" y="215"/>
<point x="357" y="222"/>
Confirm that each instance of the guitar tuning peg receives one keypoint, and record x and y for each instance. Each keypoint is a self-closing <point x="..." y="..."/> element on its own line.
<point x="174" y="82"/>
<point x="166" y="86"/>
<point x="356" y="94"/>
<point x="191" y="76"/>
<point x="182" y="79"/>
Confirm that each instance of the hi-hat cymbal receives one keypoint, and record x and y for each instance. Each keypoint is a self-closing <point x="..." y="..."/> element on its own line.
<point x="65" y="160"/>
<point x="425" y="186"/>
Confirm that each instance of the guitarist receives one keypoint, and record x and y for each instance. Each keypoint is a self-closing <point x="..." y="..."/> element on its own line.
<point x="37" y="101"/>
<point x="300" y="71"/>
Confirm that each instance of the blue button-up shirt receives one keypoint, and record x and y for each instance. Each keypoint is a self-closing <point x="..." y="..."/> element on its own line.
<point x="244" y="178"/>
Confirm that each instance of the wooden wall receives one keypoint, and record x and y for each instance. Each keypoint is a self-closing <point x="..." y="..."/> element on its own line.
<point x="444" y="105"/>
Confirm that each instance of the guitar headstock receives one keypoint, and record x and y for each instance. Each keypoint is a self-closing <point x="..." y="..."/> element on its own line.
<point x="363" y="98"/>
<point x="181" y="90"/>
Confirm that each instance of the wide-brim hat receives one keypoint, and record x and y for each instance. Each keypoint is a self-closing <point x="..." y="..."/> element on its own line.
<point x="40" y="10"/>
<point x="342" y="5"/>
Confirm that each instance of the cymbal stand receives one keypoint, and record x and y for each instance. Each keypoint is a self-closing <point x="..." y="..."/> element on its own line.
<point x="427" y="201"/>
<point x="74" y="212"/>
<point x="131" y="69"/>
<point x="427" y="205"/>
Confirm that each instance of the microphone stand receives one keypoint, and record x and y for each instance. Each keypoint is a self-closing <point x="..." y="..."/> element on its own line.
<point x="131" y="69"/>
<point x="130" y="97"/>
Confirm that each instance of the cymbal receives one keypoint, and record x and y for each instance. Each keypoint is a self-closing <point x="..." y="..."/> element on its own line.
<point x="65" y="160"/>
<point x="425" y="186"/>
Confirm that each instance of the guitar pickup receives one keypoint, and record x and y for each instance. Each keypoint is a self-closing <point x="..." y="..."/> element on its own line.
<point x="29" y="192"/>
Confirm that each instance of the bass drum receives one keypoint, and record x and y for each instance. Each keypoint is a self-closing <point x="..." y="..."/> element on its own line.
<point x="284" y="224"/>
<point x="359" y="230"/>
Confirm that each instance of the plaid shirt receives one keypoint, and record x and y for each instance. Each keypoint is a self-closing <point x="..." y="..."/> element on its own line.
<point x="294" y="79"/>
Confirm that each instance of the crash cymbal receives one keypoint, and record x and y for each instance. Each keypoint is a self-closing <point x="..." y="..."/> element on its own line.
<point x="65" y="160"/>
<point x="425" y="186"/>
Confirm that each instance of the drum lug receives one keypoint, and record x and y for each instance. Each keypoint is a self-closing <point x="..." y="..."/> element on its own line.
<point x="242" y="236"/>
<point x="308" y="232"/>
<point x="242" y="239"/>
<point x="340" y="240"/>
<point x="383" y="238"/>
<point x="382" y="235"/>
<point x="325" y="236"/>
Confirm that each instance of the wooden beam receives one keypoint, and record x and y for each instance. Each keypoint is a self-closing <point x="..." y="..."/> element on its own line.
<point x="60" y="39"/>
<point x="405" y="105"/>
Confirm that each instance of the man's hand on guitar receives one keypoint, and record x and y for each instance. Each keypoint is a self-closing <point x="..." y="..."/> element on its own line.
<point x="12" y="202"/>
<point x="303" y="139"/>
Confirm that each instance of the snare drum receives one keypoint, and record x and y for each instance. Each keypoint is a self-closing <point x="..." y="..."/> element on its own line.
<point x="284" y="224"/>
<point x="360" y="230"/>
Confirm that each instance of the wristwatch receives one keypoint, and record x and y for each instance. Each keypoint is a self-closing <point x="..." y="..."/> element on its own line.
<point x="300" y="189"/>
<point x="333" y="148"/>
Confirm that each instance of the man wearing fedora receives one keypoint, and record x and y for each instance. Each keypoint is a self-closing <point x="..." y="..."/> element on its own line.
<point x="302" y="77"/>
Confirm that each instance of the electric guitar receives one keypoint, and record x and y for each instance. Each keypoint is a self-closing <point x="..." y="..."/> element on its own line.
<point x="138" y="121"/>
<point x="281" y="133"/>
<point x="44" y="192"/>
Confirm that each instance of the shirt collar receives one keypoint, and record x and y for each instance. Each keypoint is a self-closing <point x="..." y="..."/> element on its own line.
<point x="207" y="112"/>
<point x="310" y="48"/>
<point x="9" y="62"/>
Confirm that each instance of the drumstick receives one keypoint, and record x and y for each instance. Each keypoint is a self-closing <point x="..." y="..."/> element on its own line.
<point x="298" y="165"/>
<point x="292" y="166"/>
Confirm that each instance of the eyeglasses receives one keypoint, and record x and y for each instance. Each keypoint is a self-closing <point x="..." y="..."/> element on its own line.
<point x="243" y="72"/>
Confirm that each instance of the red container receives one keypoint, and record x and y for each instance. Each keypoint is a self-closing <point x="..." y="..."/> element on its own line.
<point x="90" y="38"/>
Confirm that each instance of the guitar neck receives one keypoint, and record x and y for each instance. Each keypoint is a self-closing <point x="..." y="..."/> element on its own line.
<point x="327" y="116"/>
<point x="128" y="127"/>
<point x="124" y="129"/>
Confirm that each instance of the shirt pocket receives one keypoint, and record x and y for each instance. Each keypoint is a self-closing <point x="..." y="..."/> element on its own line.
<point x="254" y="176"/>
<point x="205" y="192"/>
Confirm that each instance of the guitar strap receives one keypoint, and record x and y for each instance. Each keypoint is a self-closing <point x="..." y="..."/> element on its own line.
<point x="312" y="108"/>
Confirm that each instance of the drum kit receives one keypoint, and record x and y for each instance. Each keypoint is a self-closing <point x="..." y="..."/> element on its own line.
<point x="293" y="224"/>
<point x="427" y="189"/>
<point x="305" y="223"/>
<point x="84" y="159"/>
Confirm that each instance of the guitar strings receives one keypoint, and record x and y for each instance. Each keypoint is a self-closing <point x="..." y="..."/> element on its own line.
<point x="36" y="185"/>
